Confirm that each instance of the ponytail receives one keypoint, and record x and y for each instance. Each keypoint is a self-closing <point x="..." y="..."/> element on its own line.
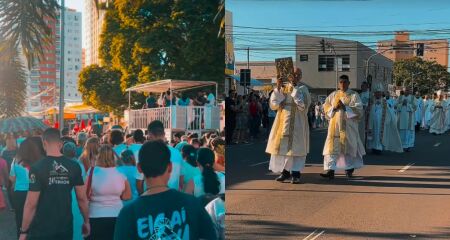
<point x="211" y="183"/>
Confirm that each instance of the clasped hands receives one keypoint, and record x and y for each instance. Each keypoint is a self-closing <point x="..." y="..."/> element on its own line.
<point x="340" y="106"/>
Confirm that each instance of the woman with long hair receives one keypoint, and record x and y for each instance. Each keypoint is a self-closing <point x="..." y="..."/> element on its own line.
<point x="29" y="152"/>
<point x="209" y="182"/>
<point x="190" y="168"/>
<point x="90" y="153"/>
<point x="107" y="187"/>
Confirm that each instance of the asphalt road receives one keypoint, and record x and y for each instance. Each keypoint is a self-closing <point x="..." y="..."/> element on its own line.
<point x="7" y="224"/>
<point x="395" y="196"/>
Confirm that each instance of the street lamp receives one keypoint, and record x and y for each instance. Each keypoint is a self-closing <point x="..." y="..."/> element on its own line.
<point x="373" y="55"/>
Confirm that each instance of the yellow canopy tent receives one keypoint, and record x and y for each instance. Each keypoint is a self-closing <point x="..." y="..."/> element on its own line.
<point x="70" y="111"/>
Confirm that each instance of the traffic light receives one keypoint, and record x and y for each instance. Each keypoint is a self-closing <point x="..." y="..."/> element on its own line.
<point x="245" y="77"/>
<point x="419" y="49"/>
<point x="322" y="45"/>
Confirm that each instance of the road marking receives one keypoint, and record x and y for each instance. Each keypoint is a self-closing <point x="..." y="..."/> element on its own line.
<point x="437" y="144"/>
<point x="313" y="235"/>
<point x="256" y="164"/>
<point x="406" y="167"/>
<point x="318" y="235"/>
<point x="306" y="238"/>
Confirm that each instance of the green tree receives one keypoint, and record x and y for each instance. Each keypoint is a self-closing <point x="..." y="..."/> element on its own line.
<point x="100" y="88"/>
<point x="12" y="86"/>
<point x="23" y="32"/>
<point x="152" y="40"/>
<point x="425" y="76"/>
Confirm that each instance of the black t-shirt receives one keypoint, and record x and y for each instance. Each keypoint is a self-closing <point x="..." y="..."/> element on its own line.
<point x="167" y="215"/>
<point x="54" y="178"/>
<point x="201" y="101"/>
<point x="229" y="114"/>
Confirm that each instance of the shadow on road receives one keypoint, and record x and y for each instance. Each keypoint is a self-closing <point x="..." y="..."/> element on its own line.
<point x="240" y="159"/>
<point x="256" y="229"/>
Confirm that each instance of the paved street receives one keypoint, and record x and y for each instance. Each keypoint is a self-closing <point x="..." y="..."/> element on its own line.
<point x="7" y="225"/>
<point x="395" y="196"/>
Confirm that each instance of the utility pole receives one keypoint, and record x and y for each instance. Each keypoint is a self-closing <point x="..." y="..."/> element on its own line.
<point x="61" y="71"/>
<point x="248" y="67"/>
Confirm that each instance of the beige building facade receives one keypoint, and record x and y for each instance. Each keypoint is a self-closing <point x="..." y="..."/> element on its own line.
<point x="435" y="50"/>
<point x="319" y="70"/>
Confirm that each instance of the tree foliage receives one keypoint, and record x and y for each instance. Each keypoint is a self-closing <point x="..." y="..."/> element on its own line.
<point x="427" y="77"/>
<point x="23" y="32"/>
<point x="153" y="40"/>
<point x="23" y="24"/>
<point x="12" y="85"/>
<point x="100" y="88"/>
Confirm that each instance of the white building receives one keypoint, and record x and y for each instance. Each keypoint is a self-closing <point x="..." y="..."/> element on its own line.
<point x="93" y="22"/>
<point x="72" y="55"/>
<point x="41" y="92"/>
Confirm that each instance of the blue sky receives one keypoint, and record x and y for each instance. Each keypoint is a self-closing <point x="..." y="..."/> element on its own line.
<point x="330" y="15"/>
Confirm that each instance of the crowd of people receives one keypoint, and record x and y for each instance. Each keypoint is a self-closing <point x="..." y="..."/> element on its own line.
<point x="356" y="122"/>
<point x="168" y="98"/>
<point x="115" y="186"/>
<point x="250" y="116"/>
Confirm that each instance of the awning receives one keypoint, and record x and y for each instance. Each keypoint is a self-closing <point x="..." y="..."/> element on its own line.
<point x="164" y="85"/>
<point x="80" y="109"/>
<point x="69" y="111"/>
<point x="253" y="82"/>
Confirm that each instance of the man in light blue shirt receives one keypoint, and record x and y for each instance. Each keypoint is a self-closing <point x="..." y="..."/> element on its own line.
<point x="156" y="133"/>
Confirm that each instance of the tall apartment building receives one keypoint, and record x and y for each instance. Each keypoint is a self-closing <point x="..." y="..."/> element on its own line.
<point x="93" y="22"/>
<point x="44" y="78"/>
<point x="72" y="55"/>
<point x="404" y="48"/>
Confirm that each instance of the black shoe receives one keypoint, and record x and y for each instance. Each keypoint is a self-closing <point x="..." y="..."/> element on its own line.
<point x="376" y="152"/>
<point x="295" y="177"/>
<point x="349" y="172"/>
<point x="284" y="175"/>
<point x="328" y="174"/>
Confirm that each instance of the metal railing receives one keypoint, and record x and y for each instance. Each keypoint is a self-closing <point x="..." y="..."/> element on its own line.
<point x="188" y="118"/>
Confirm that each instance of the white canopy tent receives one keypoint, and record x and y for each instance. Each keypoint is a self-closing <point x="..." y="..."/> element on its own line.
<point x="169" y="84"/>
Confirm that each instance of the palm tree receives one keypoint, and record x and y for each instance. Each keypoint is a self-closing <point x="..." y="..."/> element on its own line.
<point x="23" y="32"/>
<point x="221" y="17"/>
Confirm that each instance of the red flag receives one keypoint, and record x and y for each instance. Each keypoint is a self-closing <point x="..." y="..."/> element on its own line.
<point x="76" y="128"/>
<point x="82" y="125"/>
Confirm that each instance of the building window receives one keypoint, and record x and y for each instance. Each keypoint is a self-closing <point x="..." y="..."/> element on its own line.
<point x="326" y="63"/>
<point x="344" y="63"/>
<point x="303" y="57"/>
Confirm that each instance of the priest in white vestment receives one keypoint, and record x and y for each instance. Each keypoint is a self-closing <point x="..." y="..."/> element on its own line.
<point x="418" y="113"/>
<point x="428" y="112"/>
<point x="425" y="106"/>
<point x="391" y="101"/>
<point x="343" y="147"/>
<point x="382" y="128"/>
<point x="437" y="123"/>
<point x="447" y="112"/>
<point x="365" y="98"/>
<point x="288" y="142"/>
<point x="406" y="107"/>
